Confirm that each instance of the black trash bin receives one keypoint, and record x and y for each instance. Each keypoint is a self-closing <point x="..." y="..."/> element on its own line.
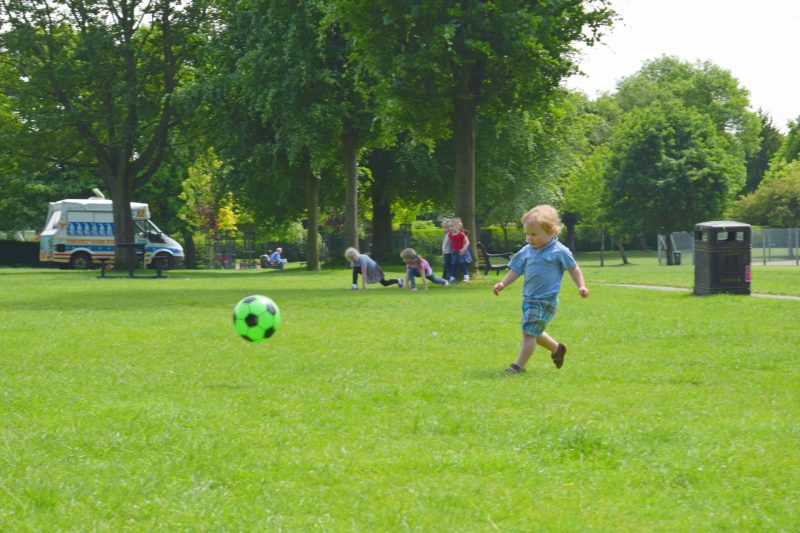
<point x="722" y="257"/>
<point x="676" y="258"/>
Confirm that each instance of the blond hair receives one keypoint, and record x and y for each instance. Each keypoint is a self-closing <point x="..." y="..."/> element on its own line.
<point x="409" y="254"/>
<point x="546" y="216"/>
<point x="351" y="253"/>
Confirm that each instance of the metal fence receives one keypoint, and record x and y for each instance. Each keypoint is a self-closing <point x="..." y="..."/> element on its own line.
<point x="770" y="246"/>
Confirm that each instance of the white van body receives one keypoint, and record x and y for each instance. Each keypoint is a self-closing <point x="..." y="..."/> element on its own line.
<point x="81" y="233"/>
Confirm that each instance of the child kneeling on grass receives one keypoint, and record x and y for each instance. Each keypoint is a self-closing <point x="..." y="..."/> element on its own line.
<point x="542" y="262"/>
<point x="416" y="265"/>
<point x="369" y="270"/>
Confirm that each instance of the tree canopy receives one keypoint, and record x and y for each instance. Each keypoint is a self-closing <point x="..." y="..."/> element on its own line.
<point x="708" y="90"/>
<point x="668" y="167"/>
<point x="441" y="64"/>
<point x="770" y="140"/>
<point x="789" y="149"/>
<point x="95" y="83"/>
<point x="452" y="107"/>
<point x="776" y="202"/>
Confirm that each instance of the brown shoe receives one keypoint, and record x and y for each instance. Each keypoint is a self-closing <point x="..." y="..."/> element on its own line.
<point x="558" y="355"/>
<point x="515" y="369"/>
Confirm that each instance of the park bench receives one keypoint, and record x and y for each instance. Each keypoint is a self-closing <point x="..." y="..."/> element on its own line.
<point x="490" y="262"/>
<point x="159" y="262"/>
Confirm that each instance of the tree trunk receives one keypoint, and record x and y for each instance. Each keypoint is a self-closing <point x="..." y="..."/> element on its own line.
<point x="464" y="125"/>
<point x="669" y="250"/>
<point x="602" y="245"/>
<point x="125" y="255"/>
<point x="570" y="236"/>
<point x="349" y="148"/>
<point x="381" y="217"/>
<point x="570" y="220"/>
<point x="312" y="206"/>
<point x="622" y="254"/>
<point x="189" y="249"/>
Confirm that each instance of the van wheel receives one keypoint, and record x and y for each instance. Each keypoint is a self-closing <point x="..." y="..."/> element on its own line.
<point x="165" y="261"/>
<point x="80" y="261"/>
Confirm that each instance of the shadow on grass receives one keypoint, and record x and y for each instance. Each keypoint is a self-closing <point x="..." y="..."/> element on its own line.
<point x="141" y="295"/>
<point x="28" y="271"/>
<point x="497" y="373"/>
<point x="95" y="272"/>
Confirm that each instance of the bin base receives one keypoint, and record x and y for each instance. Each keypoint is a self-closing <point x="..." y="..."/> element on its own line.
<point x="705" y="291"/>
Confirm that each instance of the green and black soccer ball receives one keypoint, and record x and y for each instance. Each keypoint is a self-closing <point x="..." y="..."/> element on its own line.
<point x="256" y="318"/>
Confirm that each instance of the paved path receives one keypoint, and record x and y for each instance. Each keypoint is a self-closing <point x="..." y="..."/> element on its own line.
<point x="683" y="289"/>
<point x="776" y="263"/>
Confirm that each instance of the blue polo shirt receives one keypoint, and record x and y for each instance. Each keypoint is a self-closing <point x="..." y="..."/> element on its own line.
<point x="543" y="269"/>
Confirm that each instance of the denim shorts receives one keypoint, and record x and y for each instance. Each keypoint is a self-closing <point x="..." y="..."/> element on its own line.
<point x="536" y="314"/>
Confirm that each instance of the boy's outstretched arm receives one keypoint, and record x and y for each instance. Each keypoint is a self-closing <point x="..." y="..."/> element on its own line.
<point x="577" y="278"/>
<point x="508" y="279"/>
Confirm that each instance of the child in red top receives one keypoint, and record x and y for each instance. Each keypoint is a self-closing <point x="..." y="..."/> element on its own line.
<point x="459" y="243"/>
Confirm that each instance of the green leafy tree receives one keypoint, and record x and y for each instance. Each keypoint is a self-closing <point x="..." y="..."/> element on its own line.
<point x="29" y="180"/>
<point x="162" y="192"/>
<point x="776" y="202"/>
<point x="770" y="140"/>
<point x="521" y="157"/>
<point x="668" y="168"/>
<point x="584" y="187"/>
<point x="189" y="147"/>
<point x="94" y="84"/>
<point x="24" y="195"/>
<point x="201" y="199"/>
<point x="790" y="147"/>
<point x="404" y="173"/>
<point x="30" y="176"/>
<point x="582" y="176"/>
<point x="439" y="62"/>
<point x="304" y="104"/>
<point x="708" y="90"/>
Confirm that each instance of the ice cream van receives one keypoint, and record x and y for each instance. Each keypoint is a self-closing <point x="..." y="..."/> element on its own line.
<point x="80" y="233"/>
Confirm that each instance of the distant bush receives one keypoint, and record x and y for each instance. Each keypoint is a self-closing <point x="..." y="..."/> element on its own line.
<point x="427" y="242"/>
<point x="497" y="240"/>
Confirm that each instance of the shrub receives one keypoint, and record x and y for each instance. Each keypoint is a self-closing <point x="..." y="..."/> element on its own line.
<point x="496" y="240"/>
<point x="427" y="242"/>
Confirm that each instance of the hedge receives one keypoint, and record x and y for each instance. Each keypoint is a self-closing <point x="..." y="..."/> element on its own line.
<point x="19" y="253"/>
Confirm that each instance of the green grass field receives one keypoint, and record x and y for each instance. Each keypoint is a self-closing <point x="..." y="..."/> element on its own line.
<point x="132" y="405"/>
<point x="644" y="269"/>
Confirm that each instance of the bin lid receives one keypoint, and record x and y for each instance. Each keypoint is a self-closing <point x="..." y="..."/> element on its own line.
<point x="722" y="225"/>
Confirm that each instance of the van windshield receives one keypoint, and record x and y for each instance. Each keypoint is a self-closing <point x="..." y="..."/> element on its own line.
<point x="150" y="231"/>
<point x="53" y="221"/>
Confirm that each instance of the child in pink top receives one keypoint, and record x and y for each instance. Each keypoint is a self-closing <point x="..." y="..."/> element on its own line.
<point x="416" y="265"/>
